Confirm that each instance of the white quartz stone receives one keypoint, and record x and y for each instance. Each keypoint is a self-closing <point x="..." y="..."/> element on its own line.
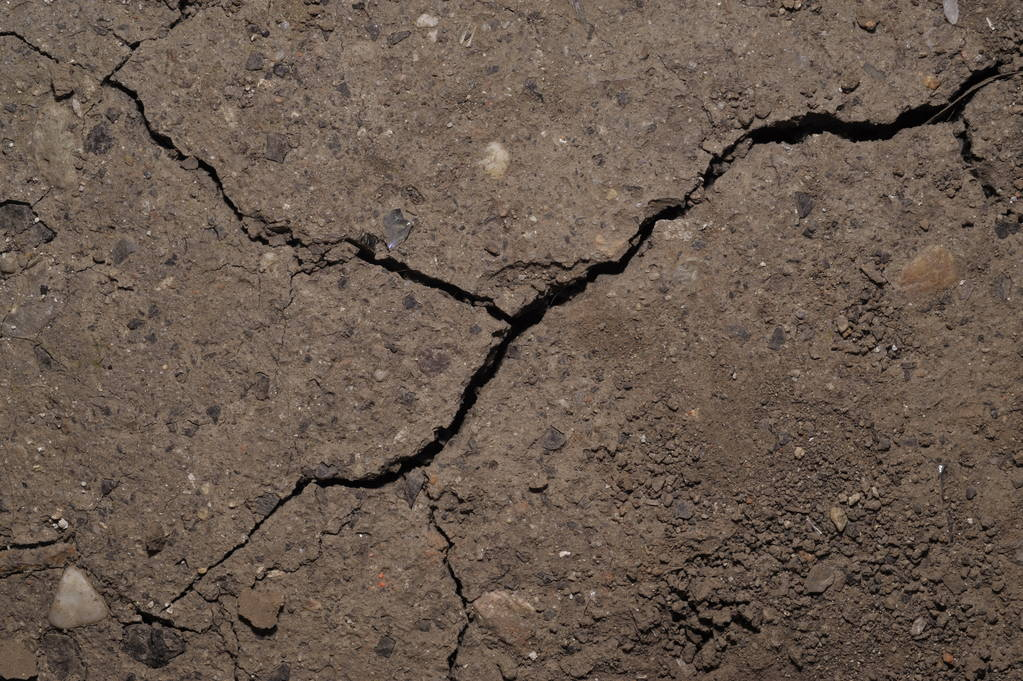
<point x="77" y="603"/>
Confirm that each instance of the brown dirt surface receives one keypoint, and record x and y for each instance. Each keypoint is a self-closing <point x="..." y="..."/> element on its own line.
<point x="492" y="341"/>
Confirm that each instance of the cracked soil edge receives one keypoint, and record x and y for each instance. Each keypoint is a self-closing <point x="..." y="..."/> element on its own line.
<point x="791" y="131"/>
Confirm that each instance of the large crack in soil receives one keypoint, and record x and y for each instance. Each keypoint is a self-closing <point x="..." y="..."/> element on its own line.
<point x="790" y="131"/>
<point x="311" y="256"/>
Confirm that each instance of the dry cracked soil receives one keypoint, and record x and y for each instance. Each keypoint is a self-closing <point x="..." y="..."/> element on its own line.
<point x="480" y="341"/>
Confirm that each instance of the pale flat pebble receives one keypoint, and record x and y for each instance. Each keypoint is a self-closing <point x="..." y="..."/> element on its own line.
<point x="427" y="21"/>
<point x="77" y="602"/>
<point x="951" y="8"/>
<point x="495" y="160"/>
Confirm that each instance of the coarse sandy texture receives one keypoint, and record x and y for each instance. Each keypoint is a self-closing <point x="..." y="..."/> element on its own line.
<point x="698" y="356"/>
<point x="754" y="382"/>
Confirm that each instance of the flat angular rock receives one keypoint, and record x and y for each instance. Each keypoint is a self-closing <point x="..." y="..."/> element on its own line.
<point x="16" y="661"/>
<point x="933" y="270"/>
<point x="506" y="615"/>
<point x="260" y="608"/>
<point x="819" y="579"/>
<point x="838" y="518"/>
<point x="77" y="602"/>
<point x="153" y="646"/>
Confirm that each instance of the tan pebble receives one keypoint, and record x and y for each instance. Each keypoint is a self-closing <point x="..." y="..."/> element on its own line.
<point x="16" y="661"/>
<point x="799" y="452"/>
<point x="8" y="263"/>
<point x="933" y="270"/>
<point x="838" y="518"/>
<point x="260" y="608"/>
<point x="931" y="82"/>
<point x="867" y="23"/>
<point x="506" y="615"/>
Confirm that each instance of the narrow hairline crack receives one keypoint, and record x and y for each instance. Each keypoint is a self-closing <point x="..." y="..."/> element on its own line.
<point x="459" y="591"/>
<point x="790" y="131"/>
<point x="182" y="6"/>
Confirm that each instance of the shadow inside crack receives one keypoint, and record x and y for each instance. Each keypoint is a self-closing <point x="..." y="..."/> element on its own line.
<point x="790" y="131"/>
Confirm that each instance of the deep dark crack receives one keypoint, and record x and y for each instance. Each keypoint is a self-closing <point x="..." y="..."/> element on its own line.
<point x="108" y="79"/>
<point x="284" y="236"/>
<point x="410" y="274"/>
<point x="399" y="268"/>
<point x="790" y="131"/>
<point x="795" y="130"/>
<point x="151" y="619"/>
<point x="35" y="48"/>
<point x="18" y="546"/>
<point x="166" y="142"/>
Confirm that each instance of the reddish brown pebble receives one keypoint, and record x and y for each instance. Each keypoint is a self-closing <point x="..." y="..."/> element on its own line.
<point x="867" y="23"/>
<point x="260" y="608"/>
<point x="931" y="271"/>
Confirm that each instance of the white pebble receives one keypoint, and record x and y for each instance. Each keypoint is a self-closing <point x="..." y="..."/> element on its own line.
<point x="427" y="20"/>
<point x="77" y="603"/>
<point x="495" y="160"/>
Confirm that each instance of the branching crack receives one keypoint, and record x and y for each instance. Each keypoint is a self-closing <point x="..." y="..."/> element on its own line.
<point x="366" y="255"/>
<point x="795" y="130"/>
<point x="108" y="79"/>
<point x="296" y="491"/>
<point x="791" y="131"/>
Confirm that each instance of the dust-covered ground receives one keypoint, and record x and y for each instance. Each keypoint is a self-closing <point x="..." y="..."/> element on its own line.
<point x="442" y="339"/>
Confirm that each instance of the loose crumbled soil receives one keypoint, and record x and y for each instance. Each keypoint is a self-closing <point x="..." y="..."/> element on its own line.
<point x="482" y="341"/>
